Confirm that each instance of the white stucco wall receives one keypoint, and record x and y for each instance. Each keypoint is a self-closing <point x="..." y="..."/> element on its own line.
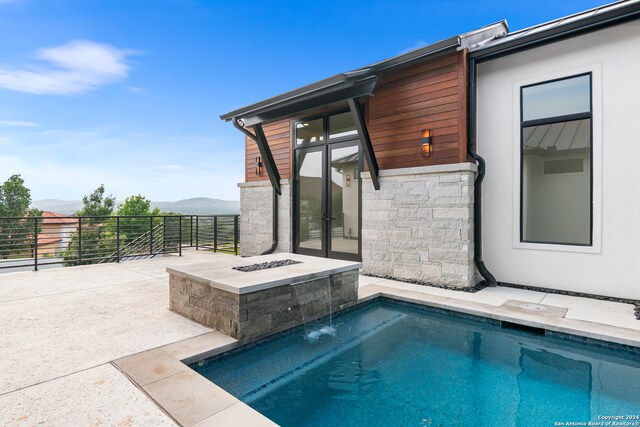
<point x="612" y="265"/>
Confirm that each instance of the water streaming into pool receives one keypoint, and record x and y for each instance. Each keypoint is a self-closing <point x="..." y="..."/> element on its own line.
<point x="388" y="364"/>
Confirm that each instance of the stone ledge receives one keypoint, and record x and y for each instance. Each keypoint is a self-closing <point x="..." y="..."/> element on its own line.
<point x="423" y="170"/>
<point x="263" y="183"/>
<point x="237" y="282"/>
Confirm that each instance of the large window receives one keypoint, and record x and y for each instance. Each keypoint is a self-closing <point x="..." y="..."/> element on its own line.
<point x="556" y="162"/>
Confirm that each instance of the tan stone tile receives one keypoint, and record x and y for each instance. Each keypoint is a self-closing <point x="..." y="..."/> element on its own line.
<point x="153" y="365"/>
<point x="471" y="307"/>
<point x="599" y="331"/>
<point x="235" y="416"/>
<point x="541" y="310"/>
<point x="413" y="296"/>
<point x="597" y="311"/>
<point x="202" y="346"/>
<point x="189" y="397"/>
<point x="368" y="280"/>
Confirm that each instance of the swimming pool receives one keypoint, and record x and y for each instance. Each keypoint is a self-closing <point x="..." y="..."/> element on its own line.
<point x="391" y="364"/>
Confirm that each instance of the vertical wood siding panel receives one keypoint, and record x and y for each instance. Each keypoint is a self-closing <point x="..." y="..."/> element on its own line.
<point x="279" y="138"/>
<point x="395" y="119"/>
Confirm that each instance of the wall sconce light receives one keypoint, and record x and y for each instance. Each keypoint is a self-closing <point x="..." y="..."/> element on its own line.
<point x="425" y="143"/>
<point x="348" y="180"/>
<point x="258" y="166"/>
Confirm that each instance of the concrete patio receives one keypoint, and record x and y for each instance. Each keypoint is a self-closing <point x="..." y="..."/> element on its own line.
<point x="63" y="329"/>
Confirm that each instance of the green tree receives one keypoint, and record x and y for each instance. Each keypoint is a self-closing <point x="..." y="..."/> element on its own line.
<point x="132" y="228"/>
<point x="16" y="235"/>
<point x="137" y="205"/>
<point x="97" y="235"/>
<point x="97" y="204"/>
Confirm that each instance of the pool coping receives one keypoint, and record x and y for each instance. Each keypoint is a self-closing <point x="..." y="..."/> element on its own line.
<point x="192" y="400"/>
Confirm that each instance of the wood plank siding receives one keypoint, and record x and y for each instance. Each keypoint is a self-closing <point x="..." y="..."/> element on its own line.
<point x="429" y="95"/>
<point x="279" y="137"/>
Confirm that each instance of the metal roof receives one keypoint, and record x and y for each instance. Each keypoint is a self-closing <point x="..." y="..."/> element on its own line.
<point x="568" y="26"/>
<point x="558" y="137"/>
<point x="329" y="89"/>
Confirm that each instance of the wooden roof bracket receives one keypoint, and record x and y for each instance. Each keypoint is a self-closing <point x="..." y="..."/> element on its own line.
<point x="365" y="140"/>
<point x="265" y="151"/>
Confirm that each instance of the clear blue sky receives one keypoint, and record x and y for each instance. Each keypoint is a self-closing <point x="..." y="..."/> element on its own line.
<point x="128" y="92"/>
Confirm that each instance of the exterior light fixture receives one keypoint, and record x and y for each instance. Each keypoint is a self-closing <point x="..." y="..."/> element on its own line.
<point x="425" y="143"/>
<point x="258" y="166"/>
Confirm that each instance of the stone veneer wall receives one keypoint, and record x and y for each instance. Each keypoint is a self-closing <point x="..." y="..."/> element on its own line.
<point x="256" y="217"/>
<point x="262" y="313"/>
<point x="419" y="225"/>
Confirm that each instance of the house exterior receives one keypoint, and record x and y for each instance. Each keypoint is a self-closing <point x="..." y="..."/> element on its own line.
<point x="55" y="233"/>
<point x="561" y="208"/>
<point x="479" y="157"/>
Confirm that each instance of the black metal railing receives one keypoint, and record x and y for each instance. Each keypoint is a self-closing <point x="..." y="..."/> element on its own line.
<point x="31" y="243"/>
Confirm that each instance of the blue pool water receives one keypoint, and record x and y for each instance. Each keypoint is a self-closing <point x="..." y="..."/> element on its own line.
<point x="389" y="364"/>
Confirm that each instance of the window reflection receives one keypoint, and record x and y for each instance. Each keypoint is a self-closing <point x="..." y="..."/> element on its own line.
<point x="556" y="162"/>
<point x="341" y="125"/>
<point x="559" y="98"/>
<point x="344" y="200"/>
<point x="309" y="131"/>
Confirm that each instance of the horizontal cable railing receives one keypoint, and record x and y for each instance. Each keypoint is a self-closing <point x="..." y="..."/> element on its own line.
<point x="31" y="243"/>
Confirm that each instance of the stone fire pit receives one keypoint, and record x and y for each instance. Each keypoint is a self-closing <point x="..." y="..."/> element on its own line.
<point x="249" y="305"/>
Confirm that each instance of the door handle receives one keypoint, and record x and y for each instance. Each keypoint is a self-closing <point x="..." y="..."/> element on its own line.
<point x="326" y="218"/>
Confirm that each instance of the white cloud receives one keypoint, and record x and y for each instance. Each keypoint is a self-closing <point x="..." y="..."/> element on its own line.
<point x="18" y="123"/>
<point x="75" y="67"/>
<point x="137" y="90"/>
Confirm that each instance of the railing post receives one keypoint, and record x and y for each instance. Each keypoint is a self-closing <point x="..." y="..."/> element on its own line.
<point x="164" y="234"/>
<point x="79" y="240"/>
<point x="180" y="236"/>
<point x="236" y="233"/>
<point x="191" y="231"/>
<point x="197" y="231"/>
<point x="118" y="239"/>
<point x="215" y="234"/>
<point x="35" y="244"/>
<point x="150" y="235"/>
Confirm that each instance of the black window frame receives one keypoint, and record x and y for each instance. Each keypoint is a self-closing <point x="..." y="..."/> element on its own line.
<point x="325" y="146"/>
<point x="325" y="129"/>
<point x="548" y="121"/>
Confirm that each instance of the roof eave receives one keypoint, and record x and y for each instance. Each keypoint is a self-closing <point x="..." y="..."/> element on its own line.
<point x="341" y="81"/>
<point x="588" y="24"/>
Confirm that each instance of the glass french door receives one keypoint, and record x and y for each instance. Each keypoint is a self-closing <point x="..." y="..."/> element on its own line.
<point x="327" y="200"/>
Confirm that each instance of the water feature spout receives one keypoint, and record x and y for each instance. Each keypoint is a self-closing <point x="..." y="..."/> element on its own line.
<point x="314" y="302"/>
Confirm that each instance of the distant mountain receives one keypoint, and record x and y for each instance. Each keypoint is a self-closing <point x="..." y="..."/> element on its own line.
<point x="194" y="206"/>
<point x="199" y="206"/>
<point x="66" y="207"/>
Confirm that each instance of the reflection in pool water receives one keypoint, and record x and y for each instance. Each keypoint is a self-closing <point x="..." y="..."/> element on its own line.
<point x="394" y="365"/>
